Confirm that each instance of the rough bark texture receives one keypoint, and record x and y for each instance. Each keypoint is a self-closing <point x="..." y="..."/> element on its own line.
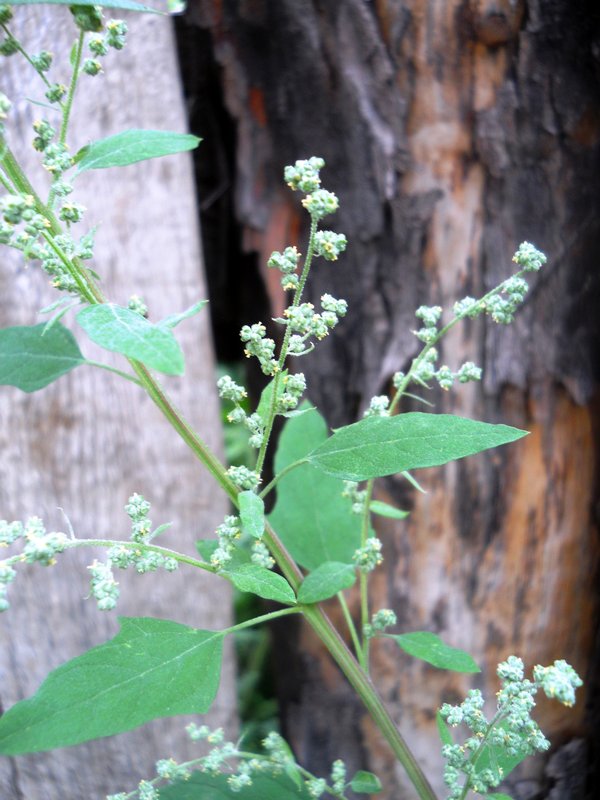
<point x="87" y="442"/>
<point x="451" y="131"/>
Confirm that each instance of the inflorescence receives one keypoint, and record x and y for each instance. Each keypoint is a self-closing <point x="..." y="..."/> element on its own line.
<point x="511" y="732"/>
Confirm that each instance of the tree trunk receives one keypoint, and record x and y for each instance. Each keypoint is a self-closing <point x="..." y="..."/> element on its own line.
<point x="83" y="445"/>
<point x="452" y="131"/>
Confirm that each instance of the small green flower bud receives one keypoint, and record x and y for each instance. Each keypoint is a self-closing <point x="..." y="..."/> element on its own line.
<point x="445" y="377"/>
<point x="368" y="557"/>
<point x="91" y="66"/>
<point x="243" y="477"/>
<point x="137" y="304"/>
<point x="44" y="134"/>
<point x="116" y="30"/>
<point x="42" y="61"/>
<point x="529" y="257"/>
<point x="320" y="203"/>
<point x="429" y="315"/>
<point x="6" y="14"/>
<point x="304" y="175"/>
<point x="71" y="212"/>
<point x="56" y="92"/>
<point x="378" y="407"/>
<point x="87" y="18"/>
<point x="329" y="244"/>
<point x="5" y="105"/>
<point x="9" y="46"/>
<point x="98" y="46"/>
<point x="286" y="262"/>
<point x="229" y="390"/>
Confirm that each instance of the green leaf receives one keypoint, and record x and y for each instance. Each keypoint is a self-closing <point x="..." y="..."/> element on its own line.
<point x="365" y="783"/>
<point x="252" y="514"/>
<point x="498" y="796"/>
<point x="311" y="517"/>
<point x="266" y="397"/>
<point x="377" y="446"/>
<point x="31" y="360"/>
<point x="132" y="146"/>
<point x="261" y="581"/>
<point x="176" y="6"/>
<point x="126" y="5"/>
<point x="326" y="581"/>
<point x="215" y="787"/>
<point x="174" y="319"/>
<point x="124" y="331"/>
<point x="443" y="729"/>
<point x="386" y="510"/>
<point x="429" y="647"/>
<point x="496" y="758"/>
<point x="152" y="668"/>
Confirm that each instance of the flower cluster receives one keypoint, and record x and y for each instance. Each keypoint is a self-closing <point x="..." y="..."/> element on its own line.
<point x="286" y="263"/>
<point x="511" y="731"/>
<point x="39" y="547"/>
<point x="369" y="557"/>
<point x="228" y="534"/>
<point x="137" y="554"/>
<point x="304" y="322"/>
<point x="356" y="495"/>
<point x="382" y="619"/>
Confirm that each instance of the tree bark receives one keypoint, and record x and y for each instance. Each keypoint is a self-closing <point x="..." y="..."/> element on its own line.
<point x="83" y="445"/>
<point x="451" y="131"/>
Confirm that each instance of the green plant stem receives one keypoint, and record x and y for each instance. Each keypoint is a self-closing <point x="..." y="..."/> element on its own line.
<point x="362" y="685"/>
<point x="473" y="760"/>
<point x="250" y="623"/>
<point x="350" y="623"/>
<point x="280" y="475"/>
<point x="26" y="55"/>
<point x="100" y="365"/>
<point x="284" y="347"/>
<point x="364" y="580"/>
<point x="68" y="104"/>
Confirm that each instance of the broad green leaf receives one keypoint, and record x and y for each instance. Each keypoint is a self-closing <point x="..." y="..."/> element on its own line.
<point x="365" y="783"/>
<point x="326" y="581"/>
<point x="201" y="786"/>
<point x="498" y="796"/>
<point x="152" y="668"/>
<point x="429" y="647"/>
<point x="252" y="514"/>
<point x="386" y="510"/>
<point x="31" y="360"/>
<point x="261" y="581"/>
<point x="174" y="319"/>
<point x="311" y="517"/>
<point x="132" y="146"/>
<point x="126" y="5"/>
<point x="443" y="729"/>
<point x="124" y="331"/>
<point x="266" y="398"/>
<point x="377" y="446"/>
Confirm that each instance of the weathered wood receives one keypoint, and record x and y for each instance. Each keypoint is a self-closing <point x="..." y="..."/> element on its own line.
<point x="451" y="131"/>
<point x="87" y="442"/>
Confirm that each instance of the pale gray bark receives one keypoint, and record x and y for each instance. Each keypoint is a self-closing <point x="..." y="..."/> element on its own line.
<point x="90" y="440"/>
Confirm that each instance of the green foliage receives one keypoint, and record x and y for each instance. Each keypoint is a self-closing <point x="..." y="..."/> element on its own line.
<point x="311" y="516"/>
<point x="215" y="787"/>
<point x="386" y="510"/>
<point x="326" y="581"/>
<point x="365" y="783"/>
<point x="132" y="146"/>
<point x="261" y="582"/>
<point x="378" y="446"/>
<point x="429" y="647"/>
<point x="152" y="668"/>
<point x="252" y="514"/>
<point x="121" y="330"/>
<point x="30" y="359"/>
